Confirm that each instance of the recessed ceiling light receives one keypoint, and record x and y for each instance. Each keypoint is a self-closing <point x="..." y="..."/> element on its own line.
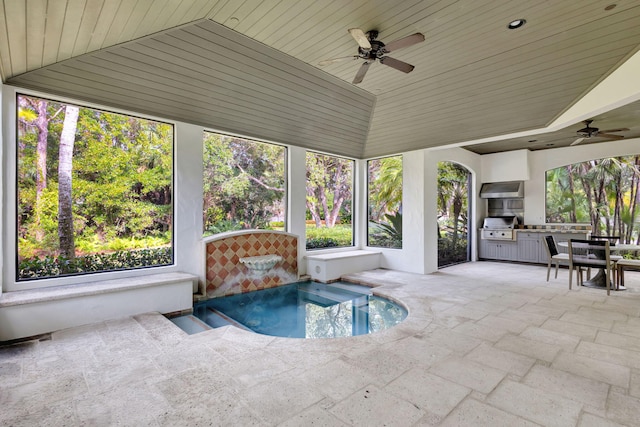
<point x="233" y="21"/>
<point x="516" y="23"/>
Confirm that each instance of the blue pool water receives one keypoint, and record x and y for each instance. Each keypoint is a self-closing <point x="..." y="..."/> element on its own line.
<point x="304" y="310"/>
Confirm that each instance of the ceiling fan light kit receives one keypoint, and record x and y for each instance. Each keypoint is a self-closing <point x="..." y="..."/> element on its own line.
<point x="371" y="50"/>
<point x="592" y="132"/>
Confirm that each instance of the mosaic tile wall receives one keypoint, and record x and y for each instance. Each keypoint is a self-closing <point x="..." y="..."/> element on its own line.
<point x="225" y="275"/>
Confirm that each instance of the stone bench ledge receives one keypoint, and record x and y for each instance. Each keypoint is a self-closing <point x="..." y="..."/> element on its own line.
<point x="343" y="254"/>
<point x="54" y="293"/>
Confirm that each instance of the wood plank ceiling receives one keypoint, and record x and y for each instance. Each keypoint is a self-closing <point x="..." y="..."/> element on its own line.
<point x="257" y="74"/>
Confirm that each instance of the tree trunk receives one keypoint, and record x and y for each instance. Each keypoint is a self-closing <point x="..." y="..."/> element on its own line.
<point x="42" y="124"/>
<point x="65" y="169"/>
<point x="633" y="202"/>
<point x="573" y="214"/>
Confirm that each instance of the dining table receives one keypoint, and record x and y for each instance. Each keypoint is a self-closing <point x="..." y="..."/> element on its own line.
<point x="600" y="279"/>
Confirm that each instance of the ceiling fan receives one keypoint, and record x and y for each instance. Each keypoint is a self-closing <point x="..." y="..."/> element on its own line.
<point x="590" y="132"/>
<point x="371" y="49"/>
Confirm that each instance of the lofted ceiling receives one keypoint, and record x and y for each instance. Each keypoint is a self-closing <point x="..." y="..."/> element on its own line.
<point x="251" y="67"/>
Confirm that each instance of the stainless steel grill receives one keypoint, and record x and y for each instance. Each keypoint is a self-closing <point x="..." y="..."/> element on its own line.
<point x="499" y="228"/>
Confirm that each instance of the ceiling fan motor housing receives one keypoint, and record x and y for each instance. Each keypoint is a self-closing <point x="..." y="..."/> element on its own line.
<point x="588" y="132"/>
<point x="376" y="51"/>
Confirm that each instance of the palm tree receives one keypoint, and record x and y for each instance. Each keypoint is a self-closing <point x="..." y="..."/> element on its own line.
<point x="453" y="186"/>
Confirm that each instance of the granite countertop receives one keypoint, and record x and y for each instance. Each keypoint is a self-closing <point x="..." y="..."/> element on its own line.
<point x="555" y="228"/>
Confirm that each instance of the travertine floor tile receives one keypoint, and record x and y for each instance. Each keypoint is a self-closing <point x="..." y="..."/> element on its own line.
<point x="577" y="388"/>
<point x="575" y="329"/>
<point x="623" y="409"/>
<point x="535" y="404"/>
<point x="486" y="344"/>
<point x="469" y="374"/>
<point x="607" y="353"/>
<point x="528" y="347"/>
<point x="565" y="341"/>
<point x="372" y="406"/>
<point x="501" y="359"/>
<point x="590" y="420"/>
<point x="432" y="394"/>
<point x="595" y="369"/>
<point x="472" y="413"/>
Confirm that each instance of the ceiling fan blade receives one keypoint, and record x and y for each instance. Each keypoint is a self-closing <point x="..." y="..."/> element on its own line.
<point x="404" y="42"/>
<point x="398" y="65"/>
<point x="334" y="60"/>
<point x="360" y="37"/>
<point x="577" y="141"/>
<point x="361" y="72"/>
<point x="614" y="130"/>
<point x="609" y="135"/>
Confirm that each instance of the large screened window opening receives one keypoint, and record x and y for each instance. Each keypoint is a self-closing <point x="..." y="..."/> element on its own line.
<point x="602" y="192"/>
<point x="329" y="201"/>
<point x="454" y="183"/>
<point x="384" y="201"/>
<point x="244" y="184"/>
<point x="94" y="190"/>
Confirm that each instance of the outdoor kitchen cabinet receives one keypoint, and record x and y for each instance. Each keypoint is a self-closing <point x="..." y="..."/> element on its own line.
<point x="531" y="247"/>
<point x="528" y="246"/>
<point x="499" y="250"/>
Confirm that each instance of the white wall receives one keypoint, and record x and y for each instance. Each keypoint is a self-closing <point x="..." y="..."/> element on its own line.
<point x="507" y="166"/>
<point x="411" y="257"/>
<point x="297" y="194"/>
<point x="419" y="253"/>
<point x="2" y="180"/>
<point x="188" y="199"/>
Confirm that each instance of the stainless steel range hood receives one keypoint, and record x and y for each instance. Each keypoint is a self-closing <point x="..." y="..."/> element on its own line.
<point x="502" y="190"/>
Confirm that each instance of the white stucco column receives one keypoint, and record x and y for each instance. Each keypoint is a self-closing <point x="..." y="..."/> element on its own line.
<point x="411" y="257"/>
<point x="359" y="214"/>
<point x="296" y="203"/>
<point x="189" y="251"/>
<point x="2" y="183"/>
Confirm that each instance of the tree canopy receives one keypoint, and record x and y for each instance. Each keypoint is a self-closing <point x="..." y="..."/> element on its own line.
<point x="91" y="181"/>
<point x="601" y="192"/>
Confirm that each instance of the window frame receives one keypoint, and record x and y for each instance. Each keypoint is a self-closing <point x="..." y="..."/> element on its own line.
<point x="285" y="199"/>
<point x="367" y="182"/>
<point x="354" y="208"/>
<point x="9" y="251"/>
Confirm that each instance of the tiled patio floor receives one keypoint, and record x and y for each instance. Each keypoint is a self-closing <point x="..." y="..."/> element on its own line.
<point x="484" y="344"/>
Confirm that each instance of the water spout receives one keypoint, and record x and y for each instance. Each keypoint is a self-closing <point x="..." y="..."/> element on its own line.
<point x="260" y="265"/>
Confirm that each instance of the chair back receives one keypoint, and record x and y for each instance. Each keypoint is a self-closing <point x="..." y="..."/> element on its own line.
<point x="612" y="239"/>
<point x="551" y="246"/>
<point x="589" y="253"/>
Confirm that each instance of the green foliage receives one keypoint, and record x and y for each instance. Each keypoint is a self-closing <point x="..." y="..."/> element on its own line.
<point x="385" y="202"/>
<point x="322" y="242"/>
<point x="602" y="192"/>
<point x="450" y="251"/>
<point x="453" y="187"/>
<point x="49" y="266"/>
<point x="386" y="234"/>
<point x="329" y="189"/>
<point x="122" y="182"/>
<point x="325" y="237"/>
<point x="223" y="226"/>
<point x="244" y="183"/>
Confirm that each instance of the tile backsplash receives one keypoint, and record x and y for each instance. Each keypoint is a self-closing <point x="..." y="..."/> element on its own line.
<point x="225" y="275"/>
